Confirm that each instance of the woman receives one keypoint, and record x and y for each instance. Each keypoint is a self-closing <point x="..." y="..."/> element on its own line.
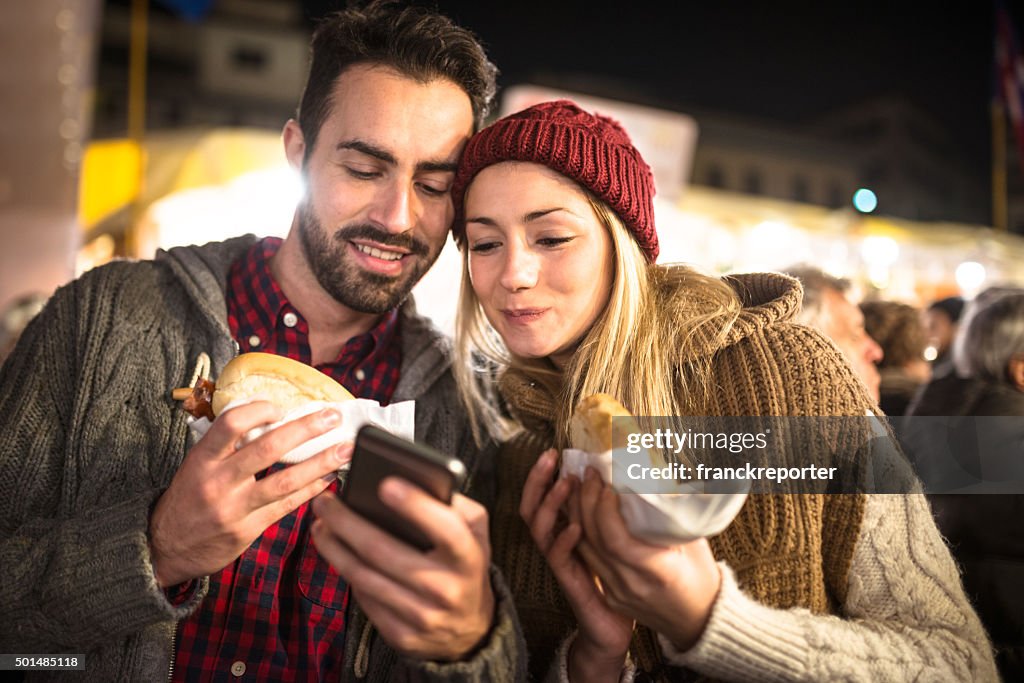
<point x="561" y="299"/>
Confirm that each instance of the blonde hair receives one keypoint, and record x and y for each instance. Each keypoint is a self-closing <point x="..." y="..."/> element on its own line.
<point x="643" y="349"/>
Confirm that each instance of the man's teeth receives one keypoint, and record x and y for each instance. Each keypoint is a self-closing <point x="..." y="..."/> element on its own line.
<point x="377" y="253"/>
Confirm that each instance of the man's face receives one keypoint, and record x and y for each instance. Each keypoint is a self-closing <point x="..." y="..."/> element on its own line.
<point x="941" y="329"/>
<point x="377" y="208"/>
<point x="844" y="324"/>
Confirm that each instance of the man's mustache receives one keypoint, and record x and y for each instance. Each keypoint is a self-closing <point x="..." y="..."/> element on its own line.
<point x="370" y="232"/>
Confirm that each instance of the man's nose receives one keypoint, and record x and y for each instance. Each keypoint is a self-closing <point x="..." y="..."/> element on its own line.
<point x="396" y="208"/>
<point x="873" y="352"/>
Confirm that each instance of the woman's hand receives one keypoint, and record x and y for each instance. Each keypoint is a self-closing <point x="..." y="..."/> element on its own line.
<point x="670" y="590"/>
<point x="602" y="642"/>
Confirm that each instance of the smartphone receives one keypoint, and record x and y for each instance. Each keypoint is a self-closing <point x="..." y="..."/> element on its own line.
<point x="379" y="454"/>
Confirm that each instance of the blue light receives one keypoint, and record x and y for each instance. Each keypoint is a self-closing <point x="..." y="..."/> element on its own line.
<point x="864" y="200"/>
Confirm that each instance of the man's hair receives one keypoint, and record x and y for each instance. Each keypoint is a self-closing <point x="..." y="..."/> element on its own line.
<point x="898" y="329"/>
<point x="414" y="41"/>
<point x="952" y="306"/>
<point x="993" y="336"/>
<point x="815" y="283"/>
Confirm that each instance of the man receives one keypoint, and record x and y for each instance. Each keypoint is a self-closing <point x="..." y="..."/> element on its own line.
<point x="827" y="308"/>
<point x="162" y="558"/>
<point x="15" y="317"/>
<point x="899" y="331"/>
<point x="942" y="318"/>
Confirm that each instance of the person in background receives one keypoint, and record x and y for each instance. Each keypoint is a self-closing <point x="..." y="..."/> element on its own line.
<point x="898" y="330"/>
<point x="946" y="390"/>
<point x="941" y="320"/>
<point x="163" y="558"/>
<point x="827" y="308"/>
<point x="561" y="299"/>
<point x="15" y="318"/>
<point x="985" y="531"/>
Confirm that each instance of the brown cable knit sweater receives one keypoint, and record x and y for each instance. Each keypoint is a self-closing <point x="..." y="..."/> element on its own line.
<point x="786" y="551"/>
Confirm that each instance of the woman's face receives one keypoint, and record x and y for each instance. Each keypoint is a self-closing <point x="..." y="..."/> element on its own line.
<point x="540" y="260"/>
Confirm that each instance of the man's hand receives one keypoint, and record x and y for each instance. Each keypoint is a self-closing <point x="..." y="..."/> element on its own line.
<point x="215" y="508"/>
<point x="437" y="605"/>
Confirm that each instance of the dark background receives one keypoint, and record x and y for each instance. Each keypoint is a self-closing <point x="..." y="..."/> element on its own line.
<point x="787" y="61"/>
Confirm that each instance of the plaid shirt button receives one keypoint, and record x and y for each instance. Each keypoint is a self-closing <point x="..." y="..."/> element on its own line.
<point x="238" y="668"/>
<point x="290" y="319"/>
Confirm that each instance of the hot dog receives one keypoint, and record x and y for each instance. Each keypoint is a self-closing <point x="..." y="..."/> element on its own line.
<point x="284" y="382"/>
<point x="590" y="428"/>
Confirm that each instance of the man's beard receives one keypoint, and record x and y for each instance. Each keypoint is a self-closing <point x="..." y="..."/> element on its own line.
<point x="349" y="284"/>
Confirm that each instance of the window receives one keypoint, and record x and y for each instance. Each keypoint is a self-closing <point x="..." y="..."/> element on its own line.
<point x="752" y="181"/>
<point x="800" y="192"/>
<point x="714" y="177"/>
<point x="835" y="195"/>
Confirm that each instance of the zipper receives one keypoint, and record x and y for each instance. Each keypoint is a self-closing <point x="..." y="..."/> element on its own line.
<point x="362" y="663"/>
<point x="170" y="667"/>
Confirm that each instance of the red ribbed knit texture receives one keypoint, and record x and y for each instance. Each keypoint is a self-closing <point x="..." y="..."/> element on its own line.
<point x="591" y="149"/>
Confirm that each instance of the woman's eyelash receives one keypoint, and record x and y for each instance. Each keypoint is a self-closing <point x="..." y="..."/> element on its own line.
<point x="554" y="241"/>
<point x="544" y="242"/>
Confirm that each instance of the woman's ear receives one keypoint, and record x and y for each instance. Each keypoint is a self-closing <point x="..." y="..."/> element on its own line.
<point x="1015" y="371"/>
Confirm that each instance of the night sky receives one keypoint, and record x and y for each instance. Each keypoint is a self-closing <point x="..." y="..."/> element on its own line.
<point x="786" y="61"/>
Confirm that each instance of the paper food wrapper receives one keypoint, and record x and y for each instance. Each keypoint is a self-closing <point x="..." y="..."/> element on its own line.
<point x="682" y="513"/>
<point x="397" y="418"/>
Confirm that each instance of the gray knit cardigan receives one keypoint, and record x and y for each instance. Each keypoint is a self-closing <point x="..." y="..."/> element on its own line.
<point x="89" y="439"/>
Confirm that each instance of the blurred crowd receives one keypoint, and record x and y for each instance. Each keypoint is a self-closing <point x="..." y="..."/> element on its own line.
<point x="952" y="359"/>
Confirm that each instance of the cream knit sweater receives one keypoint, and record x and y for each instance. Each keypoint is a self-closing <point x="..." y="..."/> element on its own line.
<point x="905" y="618"/>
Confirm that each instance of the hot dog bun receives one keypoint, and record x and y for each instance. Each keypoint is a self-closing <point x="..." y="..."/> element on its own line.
<point x="284" y="382"/>
<point x="590" y="428"/>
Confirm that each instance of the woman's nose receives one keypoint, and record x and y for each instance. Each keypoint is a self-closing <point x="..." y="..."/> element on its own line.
<point x="520" y="269"/>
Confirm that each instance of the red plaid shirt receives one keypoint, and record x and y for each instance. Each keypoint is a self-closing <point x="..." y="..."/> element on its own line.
<point x="278" y="612"/>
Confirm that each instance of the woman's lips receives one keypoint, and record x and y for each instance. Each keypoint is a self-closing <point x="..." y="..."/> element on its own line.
<point x="523" y="316"/>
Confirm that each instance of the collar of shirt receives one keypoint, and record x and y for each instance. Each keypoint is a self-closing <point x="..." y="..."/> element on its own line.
<point x="261" y="319"/>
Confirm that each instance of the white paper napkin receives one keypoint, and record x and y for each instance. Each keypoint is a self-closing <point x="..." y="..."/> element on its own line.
<point x="683" y="513"/>
<point x="397" y="418"/>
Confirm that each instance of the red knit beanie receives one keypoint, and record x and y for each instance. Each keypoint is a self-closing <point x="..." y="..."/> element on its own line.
<point x="591" y="149"/>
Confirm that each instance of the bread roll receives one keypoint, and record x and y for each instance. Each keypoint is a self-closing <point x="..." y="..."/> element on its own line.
<point x="590" y="428"/>
<point x="284" y="382"/>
